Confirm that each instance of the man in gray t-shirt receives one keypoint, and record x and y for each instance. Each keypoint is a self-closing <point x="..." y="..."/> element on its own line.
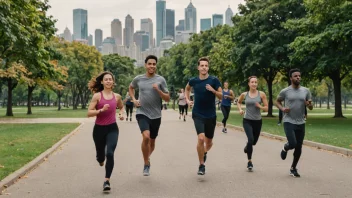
<point x="296" y="99"/>
<point x="152" y="90"/>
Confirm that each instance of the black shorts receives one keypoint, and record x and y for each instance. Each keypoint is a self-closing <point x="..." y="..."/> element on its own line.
<point x="205" y="125"/>
<point x="147" y="124"/>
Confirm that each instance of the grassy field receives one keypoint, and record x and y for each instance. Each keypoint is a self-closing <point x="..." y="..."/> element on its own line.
<point x="45" y="112"/>
<point x="21" y="143"/>
<point x="321" y="128"/>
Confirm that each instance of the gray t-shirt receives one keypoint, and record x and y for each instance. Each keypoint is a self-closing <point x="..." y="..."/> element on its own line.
<point x="295" y="101"/>
<point x="252" y="112"/>
<point x="182" y="99"/>
<point x="149" y="98"/>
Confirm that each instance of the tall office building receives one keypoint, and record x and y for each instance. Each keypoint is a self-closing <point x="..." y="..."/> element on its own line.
<point x="181" y="25"/>
<point x="128" y="31"/>
<point x="205" y="24"/>
<point x="116" y="31"/>
<point x="160" y="21"/>
<point x="90" y="40"/>
<point x="67" y="35"/>
<point x="218" y="19"/>
<point x="191" y="18"/>
<point x="80" y="24"/>
<point x="98" y="38"/>
<point x="147" y="26"/>
<point x="170" y="23"/>
<point x="228" y="16"/>
<point x="141" y="39"/>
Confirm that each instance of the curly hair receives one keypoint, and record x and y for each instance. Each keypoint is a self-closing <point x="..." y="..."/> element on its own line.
<point x="95" y="83"/>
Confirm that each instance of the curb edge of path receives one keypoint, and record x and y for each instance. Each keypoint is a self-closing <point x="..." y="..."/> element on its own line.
<point x="317" y="145"/>
<point x="18" y="174"/>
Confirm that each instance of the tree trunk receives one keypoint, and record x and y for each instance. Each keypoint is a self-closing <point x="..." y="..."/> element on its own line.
<point x="336" y="79"/>
<point x="59" y="94"/>
<point x="48" y="100"/>
<point x="29" y="99"/>
<point x="270" y="101"/>
<point x="9" y="111"/>
<point x="328" y="107"/>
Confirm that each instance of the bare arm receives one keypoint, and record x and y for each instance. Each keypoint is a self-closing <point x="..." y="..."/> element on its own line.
<point x="265" y="102"/>
<point x="92" y="111"/>
<point x="164" y="96"/>
<point x="120" y="106"/>
<point x="231" y="96"/>
<point x="188" y="93"/>
<point x="218" y="93"/>
<point x="239" y="103"/>
<point x="279" y="105"/>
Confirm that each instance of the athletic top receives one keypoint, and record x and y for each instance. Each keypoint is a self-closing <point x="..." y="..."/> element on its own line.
<point x="149" y="98"/>
<point x="204" y="100"/>
<point x="252" y="112"/>
<point x="109" y="116"/>
<point x="295" y="99"/>
<point x="129" y="100"/>
<point x="226" y="101"/>
<point x="182" y="99"/>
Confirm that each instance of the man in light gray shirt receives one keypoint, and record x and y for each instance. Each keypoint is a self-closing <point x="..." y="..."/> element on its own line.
<point x="152" y="90"/>
<point x="296" y="99"/>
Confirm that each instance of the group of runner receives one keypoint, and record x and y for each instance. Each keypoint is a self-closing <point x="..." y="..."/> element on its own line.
<point x="206" y="88"/>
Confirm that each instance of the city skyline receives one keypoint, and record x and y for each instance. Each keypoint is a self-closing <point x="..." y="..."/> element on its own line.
<point x="205" y="9"/>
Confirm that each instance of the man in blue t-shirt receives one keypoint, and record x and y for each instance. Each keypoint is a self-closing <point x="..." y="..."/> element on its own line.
<point x="204" y="114"/>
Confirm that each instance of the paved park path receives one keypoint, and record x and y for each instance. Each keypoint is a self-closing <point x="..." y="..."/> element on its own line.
<point x="73" y="172"/>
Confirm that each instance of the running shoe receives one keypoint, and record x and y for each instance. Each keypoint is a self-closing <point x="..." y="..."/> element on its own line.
<point x="294" y="173"/>
<point x="106" y="186"/>
<point x="201" y="170"/>
<point x="146" y="170"/>
<point x="250" y="166"/>
<point x="283" y="154"/>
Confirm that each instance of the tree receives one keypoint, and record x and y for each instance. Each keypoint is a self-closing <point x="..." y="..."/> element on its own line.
<point x="261" y="41"/>
<point x="24" y="28"/>
<point x="325" y="42"/>
<point x="83" y="63"/>
<point x="122" y="67"/>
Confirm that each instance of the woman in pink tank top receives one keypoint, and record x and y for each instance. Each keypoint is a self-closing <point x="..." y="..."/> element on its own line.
<point x="106" y="132"/>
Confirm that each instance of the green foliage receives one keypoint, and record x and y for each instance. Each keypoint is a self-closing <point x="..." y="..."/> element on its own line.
<point x="123" y="69"/>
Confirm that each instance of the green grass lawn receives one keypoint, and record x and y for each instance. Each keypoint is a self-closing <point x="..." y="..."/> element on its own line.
<point x="323" y="129"/>
<point x="45" y="112"/>
<point x="21" y="143"/>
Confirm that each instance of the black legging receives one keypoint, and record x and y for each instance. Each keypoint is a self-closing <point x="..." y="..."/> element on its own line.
<point x="252" y="129"/>
<point x="225" y="111"/>
<point x="181" y="109"/>
<point x="106" y="136"/>
<point x="129" y="110"/>
<point x="186" y="108"/>
<point x="295" y="136"/>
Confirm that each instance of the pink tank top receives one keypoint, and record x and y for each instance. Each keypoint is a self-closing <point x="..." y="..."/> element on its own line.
<point x="109" y="116"/>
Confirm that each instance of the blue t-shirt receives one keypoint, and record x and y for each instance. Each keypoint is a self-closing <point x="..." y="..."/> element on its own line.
<point x="204" y="100"/>
<point x="226" y="101"/>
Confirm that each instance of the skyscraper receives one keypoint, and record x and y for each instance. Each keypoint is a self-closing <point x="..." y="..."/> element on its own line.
<point x="170" y="23"/>
<point x="218" y="19"/>
<point x="98" y="38"/>
<point x="181" y="25"/>
<point x="116" y="31"/>
<point x="160" y="21"/>
<point x="205" y="24"/>
<point x="67" y="35"/>
<point x="147" y="26"/>
<point x="141" y="39"/>
<point x="228" y="16"/>
<point x="80" y="24"/>
<point x="90" y="40"/>
<point x="128" y="31"/>
<point x="191" y="18"/>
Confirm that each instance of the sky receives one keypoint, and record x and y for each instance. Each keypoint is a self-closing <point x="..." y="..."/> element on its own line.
<point x="102" y="12"/>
